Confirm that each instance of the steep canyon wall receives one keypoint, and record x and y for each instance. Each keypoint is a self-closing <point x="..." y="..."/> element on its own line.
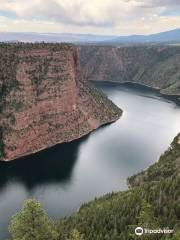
<point x="44" y="100"/>
<point x="154" y="66"/>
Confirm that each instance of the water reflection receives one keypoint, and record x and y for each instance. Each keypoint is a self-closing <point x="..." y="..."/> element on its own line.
<point x="48" y="166"/>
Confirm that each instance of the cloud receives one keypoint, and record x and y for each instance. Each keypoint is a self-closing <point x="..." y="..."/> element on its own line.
<point x="105" y="16"/>
<point x="154" y="3"/>
<point x="76" y="12"/>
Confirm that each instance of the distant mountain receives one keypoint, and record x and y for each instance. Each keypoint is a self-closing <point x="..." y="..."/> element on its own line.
<point x="169" y="36"/>
<point x="53" y="37"/>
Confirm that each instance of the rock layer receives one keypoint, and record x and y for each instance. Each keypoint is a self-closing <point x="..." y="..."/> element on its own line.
<point x="154" y="66"/>
<point x="44" y="101"/>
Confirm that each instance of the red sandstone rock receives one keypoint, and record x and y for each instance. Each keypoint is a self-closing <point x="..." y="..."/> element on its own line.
<point x="50" y="103"/>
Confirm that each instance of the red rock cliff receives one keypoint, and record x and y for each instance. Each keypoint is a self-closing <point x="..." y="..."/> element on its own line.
<point x="44" y="101"/>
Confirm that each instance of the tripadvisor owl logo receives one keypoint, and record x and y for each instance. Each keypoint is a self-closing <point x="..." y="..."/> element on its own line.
<point x="139" y="231"/>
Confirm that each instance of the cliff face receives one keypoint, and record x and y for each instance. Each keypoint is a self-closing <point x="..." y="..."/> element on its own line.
<point x="44" y="101"/>
<point x="157" y="67"/>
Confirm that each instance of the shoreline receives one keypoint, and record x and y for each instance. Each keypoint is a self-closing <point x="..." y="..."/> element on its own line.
<point x="176" y="96"/>
<point x="65" y="142"/>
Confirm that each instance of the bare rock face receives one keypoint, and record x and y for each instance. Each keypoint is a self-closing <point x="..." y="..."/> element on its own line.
<point x="44" y="101"/>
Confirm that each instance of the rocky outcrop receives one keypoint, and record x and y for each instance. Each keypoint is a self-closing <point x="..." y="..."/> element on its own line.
<point x="153" y="66"/>
<point x="44" y="101"/>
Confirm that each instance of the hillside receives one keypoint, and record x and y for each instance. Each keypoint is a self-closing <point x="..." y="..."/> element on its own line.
<point x="43" y="99"/>
<point x="152" y="202"/>
<point x="154" y="66"/>
<point x="168" y="36"/>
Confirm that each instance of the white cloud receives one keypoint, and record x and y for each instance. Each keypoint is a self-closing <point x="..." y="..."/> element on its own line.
<point x="95" y="16"/>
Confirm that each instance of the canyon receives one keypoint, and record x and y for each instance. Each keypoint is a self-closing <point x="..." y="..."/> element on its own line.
<point x="44" y="100"/>
<point x="154" y="66"/>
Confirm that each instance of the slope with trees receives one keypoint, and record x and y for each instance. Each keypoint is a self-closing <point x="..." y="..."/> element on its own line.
<point x="154" y="66"/>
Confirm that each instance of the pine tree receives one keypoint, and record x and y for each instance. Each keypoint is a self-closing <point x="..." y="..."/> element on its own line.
<point x="145" y="219"/>
<point x="176" y="236"/>
<point x="32" y="223"/>
<point x="75" y="235"/>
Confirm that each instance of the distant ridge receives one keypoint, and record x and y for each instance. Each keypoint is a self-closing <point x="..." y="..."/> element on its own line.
<point x="168" y="36"/>
<point x="52" y="37"/>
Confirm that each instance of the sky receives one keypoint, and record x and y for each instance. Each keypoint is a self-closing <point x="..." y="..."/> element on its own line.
<point x="105" y="17"/>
